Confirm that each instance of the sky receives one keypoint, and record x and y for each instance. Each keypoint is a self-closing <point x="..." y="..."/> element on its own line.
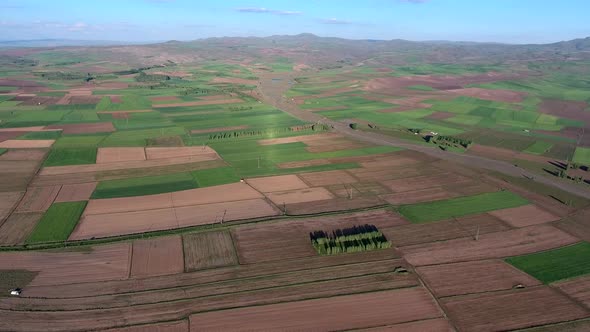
<point x="507" y="21"/>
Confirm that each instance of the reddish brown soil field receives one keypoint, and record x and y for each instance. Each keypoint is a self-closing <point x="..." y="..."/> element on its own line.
<point x="336" y="204"/>
<point x="6" y="135"/>
<point x="82" y="100"/>
<point x="443" y="230"/>
<point x="116" y="99"/>
<point x="577" y="288"/>
<point x="290" y="239"/>
<point x="494" y="245"/>
<point x="299" y="195"/>
<point x="36" y="100"/>
<point x="17" y="228"/>
<point x="307" y="139"/>
<point x="523" y="216"/>
<point x="208" y="250"/>
<point x="417" y="196"/>
<point x="157" y="256"/>
<point x="328" y="178"/>
<point x="111" y="155"/>
<point x="27" y="144"/>
<point x="16" y="174"/>
<point x="510" y="310"/>
<point x="424" y="181"/>
<point x="234" y="80"/>
<point x="575" y="110"/>
<point x="373" y="309"/>
<point x="25" y="154"/>
<point x="216" y="194"/>
<point x="84" y="128"/>
<point x="277" y="183"/>
<point x="473" y="277"/>
<point x="196" y="152"/>
<point x="201" y="103"/>
<point x="180" y="326"/>
<point x="38" y="199"/>
<point x="105" y="262"/>
<point x="75" y="192"/>
<point x="429" y="325"/>
<point x="218" y="129"/>
<point x="507" y="96"/>
<point x="297" y="164"/>
<point x="23" y="129"/>
<point x="7" y="201"/>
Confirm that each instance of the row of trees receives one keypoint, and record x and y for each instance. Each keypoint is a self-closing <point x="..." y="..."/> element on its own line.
<point x="441" y="139"/>
<point x="263" y="132"/>
<point x="355" y="239"/>
<point x="143" y="77"/>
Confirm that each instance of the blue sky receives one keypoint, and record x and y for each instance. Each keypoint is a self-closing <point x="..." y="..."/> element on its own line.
<point x="511" y="21"/>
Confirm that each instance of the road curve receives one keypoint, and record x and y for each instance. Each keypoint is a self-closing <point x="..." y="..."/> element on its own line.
<point x="271" y="90"/>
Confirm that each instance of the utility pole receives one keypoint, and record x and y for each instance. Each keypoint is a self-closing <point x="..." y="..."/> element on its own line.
<point x="223" y="217"/>
<point x="284" y="209"/>
<point x="477" y="233"/>
<point x="258" y="161"/>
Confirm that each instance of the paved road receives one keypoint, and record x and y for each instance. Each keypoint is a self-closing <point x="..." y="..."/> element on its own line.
<point x="273" y="86"/>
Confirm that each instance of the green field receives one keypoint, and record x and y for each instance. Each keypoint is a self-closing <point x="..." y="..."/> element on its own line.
<point x="539" y="147"/>
<point x="215" y="176"/>
<point x="462" y="206"/>
<point x="582" y="156"/>
<point x="41" y="135"/>
<point x="57" y="223"/>
<point x="148" y="185"/>
<point x="71" y="156"/>
<point x="557" y="264"/>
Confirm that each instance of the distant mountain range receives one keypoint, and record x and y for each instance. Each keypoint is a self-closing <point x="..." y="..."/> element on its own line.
<point x="63" y="42"/>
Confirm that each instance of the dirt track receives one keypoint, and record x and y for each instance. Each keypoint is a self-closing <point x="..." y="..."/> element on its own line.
<point x="272" y="91"/>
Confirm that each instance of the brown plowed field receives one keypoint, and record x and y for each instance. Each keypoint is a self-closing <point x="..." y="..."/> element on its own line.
<point x="184" y="151"/>
<point x="424" y="182"/>
<point x="23" y="129"/>
<point x="575" y="110"/>
<point x="157" y="256"/>
<point x="307" y="163"/>
<point x="523" y="216"/>
<point x="299" y="196"/>
<point x="428" y="325"/>
<point x="16" y="174"/>
<point x="99" y="263"/>
<point x="17" y="228"/>
<point x="26" y="154"/>
<point x="7" y="202"/>
<point x="577" y="288"/>
<point x="27" y="144"/>
<point x="417" y="196"/>
<point x="277" y="183"/>
<point x="84" y="128"/>
<point x="127" y="165"/>
<point x="307" y="139"/>
<point x="363" y="188"/>
<point x="318" y="179"/>
<point x="371" y="174"/>
<point x="127" y="111"/>
<point x="76" y="192"/>
<point x="339" y="313"/>
<point x="6" y="135"/>
<point x="128" y="204"/>
<point x="216" y="194"/>
<point x="217" y="129"/>
<point x="180" y="326"/>
<point x="473" y="277"/>
<point x="208" y="250"/>
<point x="200" y="103"/>
<point x="38" y="199"/>
<point x="493" y="245"/>
<point x="290" y="239"/>
<point x="440" y="115"/>
<point x="511" y="310"/>
<point x="443" y="230"/>
<point x="234" y="80"/>
<point x="110" y="224"/>
<point x="113" y="155"/>
<point x="336" y="204"/>
<point x="507" y="96"/>
<point x="470" y="188"/>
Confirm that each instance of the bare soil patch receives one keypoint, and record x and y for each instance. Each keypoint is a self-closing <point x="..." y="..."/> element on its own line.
<point x="575" y="110"/>
<point x="307" y="139"/>
<point x="185" y="151"/>
<point x="424" y="182"/>
<point x="473" y="277"/>
<point x="336" y="204"/>
<point x="381" y="308"/>
<point x="417" y="196"/>
<point x="277" y="183"/>
<point x="27" y="144"/>
<point x="100" y="263"/>
<point x="216" y="194"/>
<point x="234" y="80"/>
<point x="25" y="154"/>
<point x="523" y="216"/>
<point x="179" y="326"/>
<point x="84" y="128"/>
<point x="208" y="250"/>
<point x="511" y="309"/>
<point x="36" y="100"/>
<point x="307" y="163"/>
<point x="23" y="129"/>
<point x="6" y="135"/>
<point x="7" y="201"/>
<point x="111" y="155"/>
<point x="38" y="199"/>
<point x="493" y="245"/>
<point x="218" y="129"/>
<point x="84" y="100"/>
<point x="157" y="256"/>
<point x="17" y="228"/>
<point x="299" y="195"/>
<point x="577" y="288"/>
<point x="507" y="96"/>
<point x="115" y="99"/>
<point x="430" y="325"/>
<point x="16" y="174"/>
<point x="75" y="192"/>
<point x="440" y="115"/>
<point x="200" y="103"/>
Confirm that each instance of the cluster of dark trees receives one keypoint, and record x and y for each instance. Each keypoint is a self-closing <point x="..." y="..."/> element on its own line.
<point x="249" y="133"/>
<point x="354" y="239"/>
<point x="143" y="77"/>
<point x="451" y="140"/>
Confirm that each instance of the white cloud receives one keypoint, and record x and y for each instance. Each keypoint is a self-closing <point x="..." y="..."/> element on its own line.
<point x="262" y="10"/>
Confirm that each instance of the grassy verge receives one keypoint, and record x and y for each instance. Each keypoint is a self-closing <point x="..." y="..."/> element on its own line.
<point x="457" y="207"/>
<point x="58" y="222"/>
<point x="558" y="264"/>
<point x="148" y="185"/>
